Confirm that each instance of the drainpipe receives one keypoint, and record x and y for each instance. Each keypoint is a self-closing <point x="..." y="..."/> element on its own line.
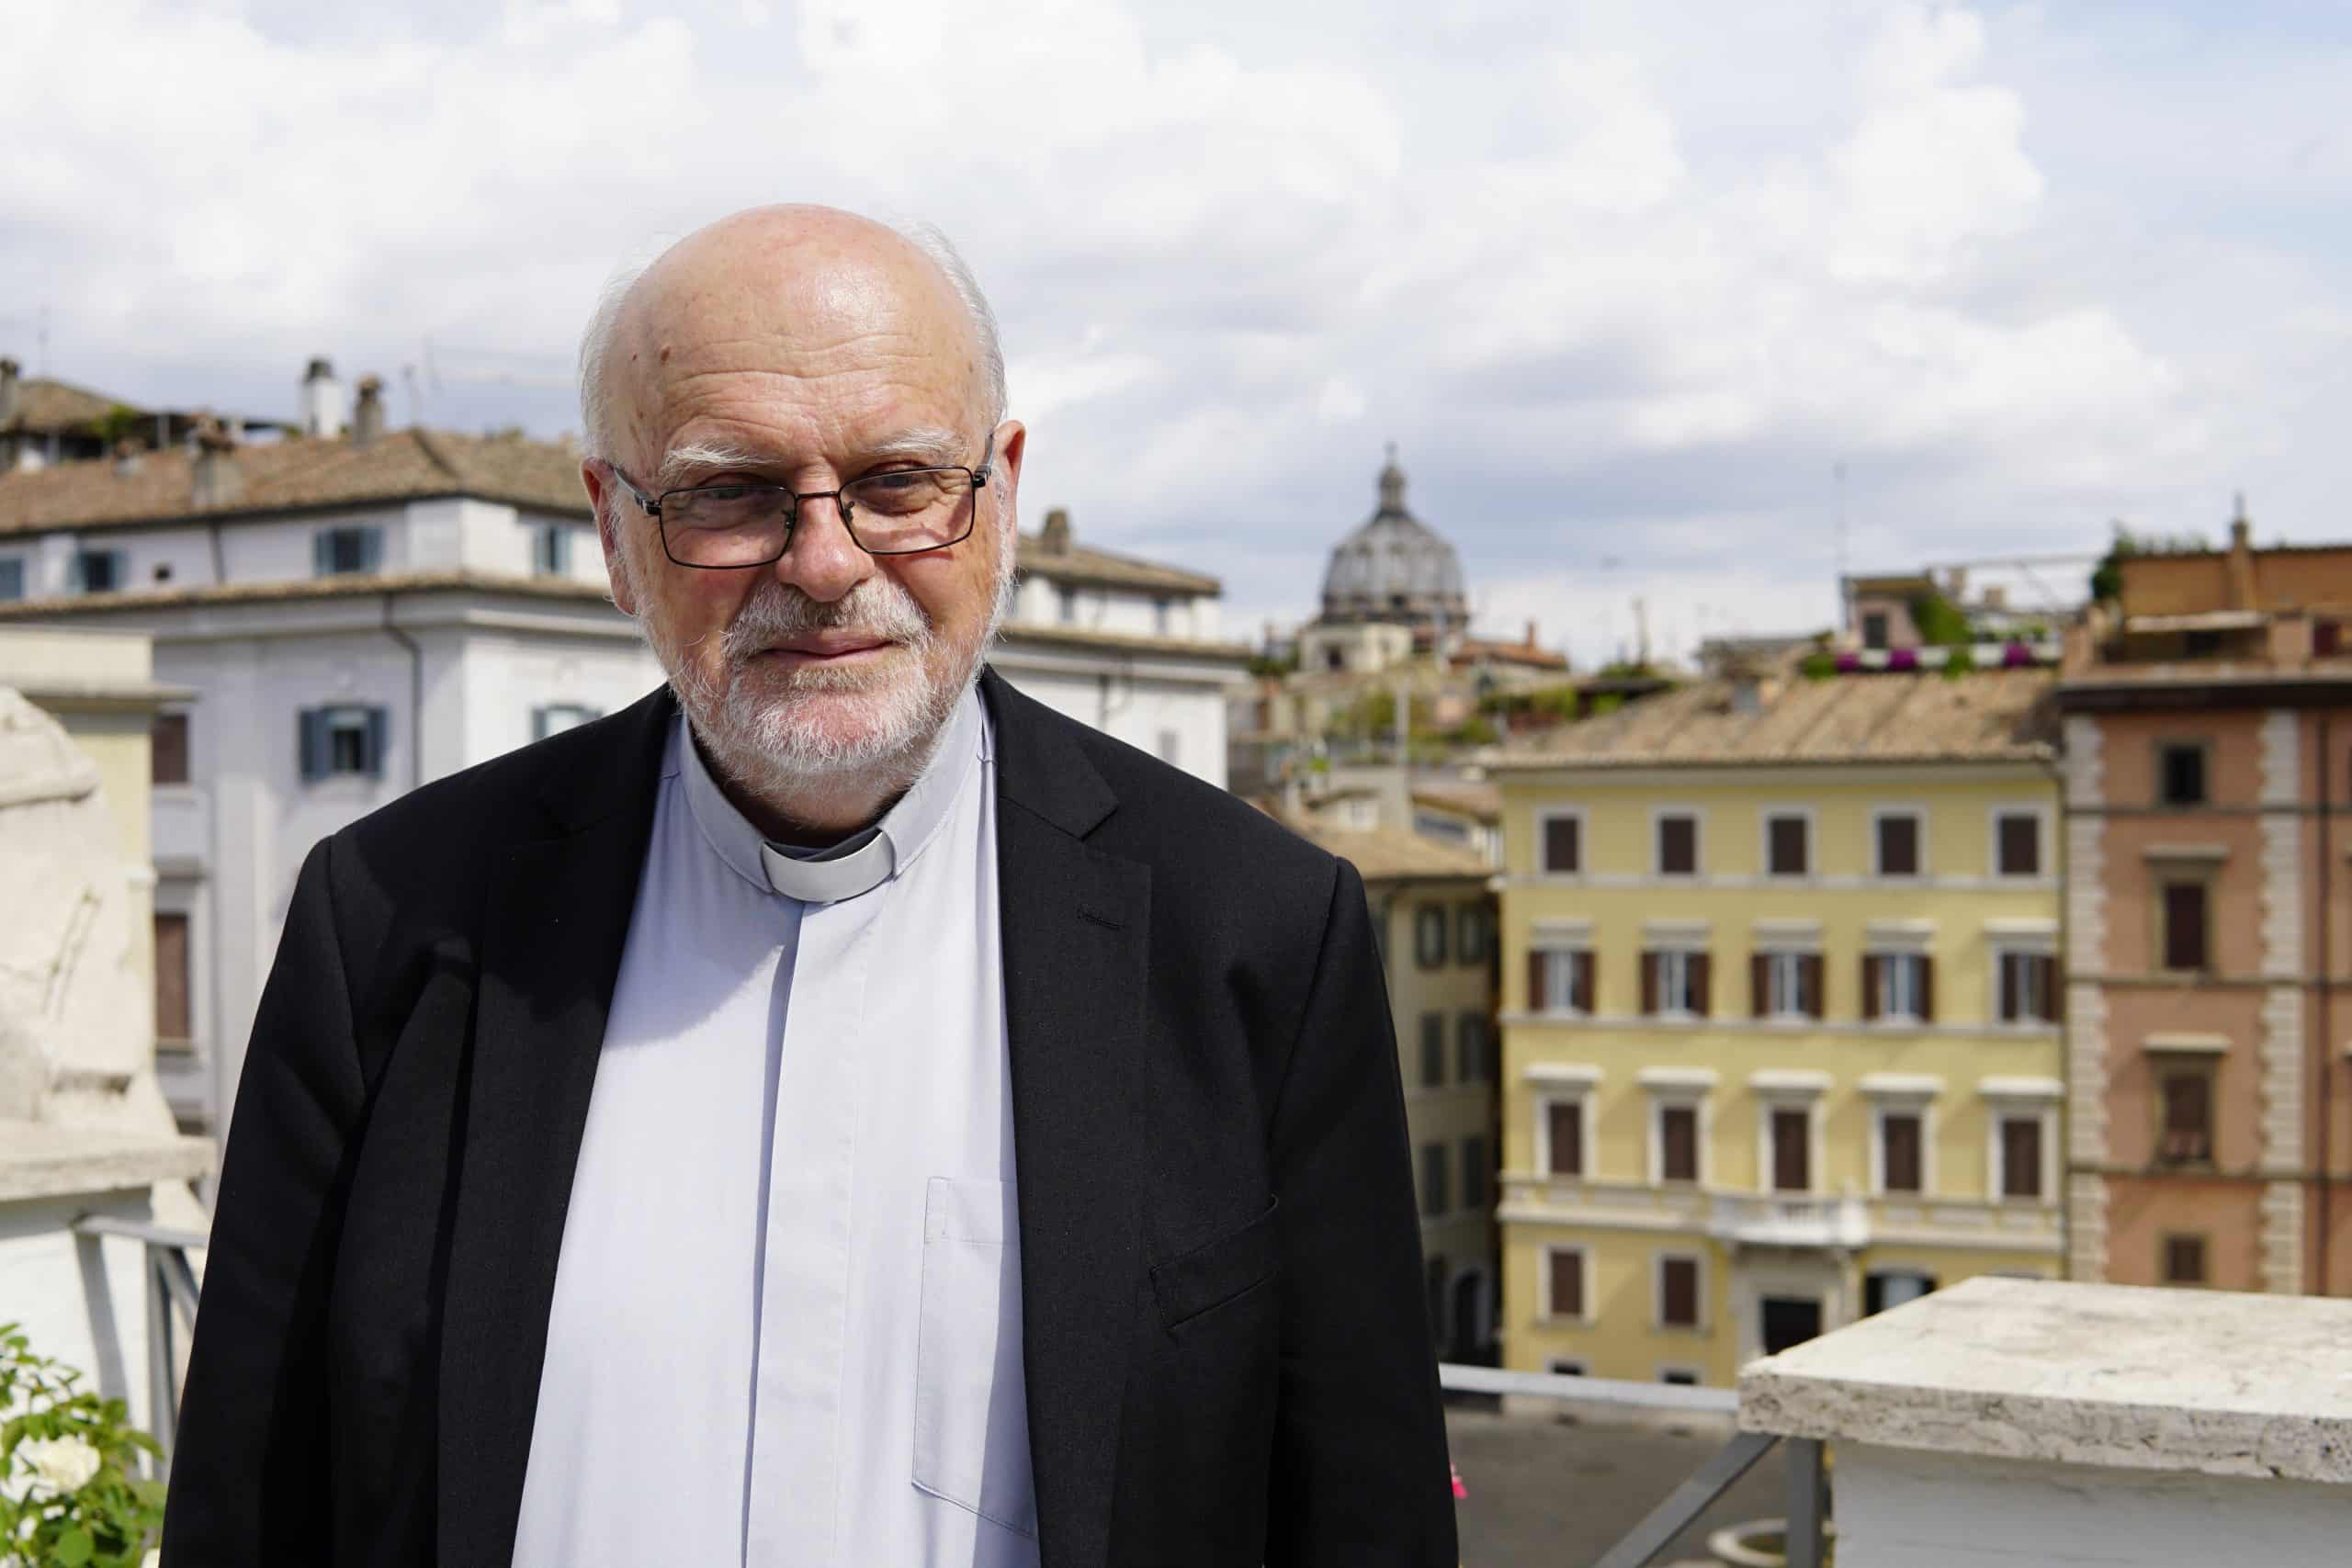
<point x="415" y="693"/>
<point x="2326" y="996"/>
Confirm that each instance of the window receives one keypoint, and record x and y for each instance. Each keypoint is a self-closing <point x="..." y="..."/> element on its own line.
<point x="1791" y="1132"/>
<point x="1066" y="603"/>
<point x="1564" y="1283"/>
<point x="2183" y="926"/>
<point x="1435" y="1199"/>
<point x="167" y="749"/>
<point x="1564" y="1137"/>
<point x="1788" y="844"/>
<point x="1474" y="1173"/>
<point x="1785" y="985"/>
<point x="1678" y="1293"/>
<point x="1559" y="979"/>
<point x="2183" y="1260"/>
<point x="1898" y="986"/>
<point x="552" y="550"/>
<point x="1562" y="843"/>
<point x="557" y="717"/>
<point x="1565" y="1367"/>
<point x="2016" y="843"/>
<point x="2201" y="644"/>
<point x="1677" y="1138"/>
<point x="336" y="552"/>
<point x="1678" y="1377"/>
<point x="1678" y="844"/>
<point x="1162" y="618"/>
<point x="1432" y="1050"/>
<point x="1470" y="934"/>
<point x="1470" y="1030"/>
<point x="2020" y="1156"/>
<point x="1675" y="981"/>
<point x="2180" y="774"/>
<point x="1874" y="629"/>
<point x="1898" y="844"/>
<point x="1902" y="1147"/>
<point x="1172" y="744"/>
<point x="172" y="1026"/>
<point x="344" y="740"/>
<point x="2029" y="984"/>
<point x="1893" y="1287"/>
<point x="2186" y="1096"/>
<point x="2327" y="638"/>
<point x="12" y="577"/>
<point x="1429" y="935"/>
<point x="99" y="571"/>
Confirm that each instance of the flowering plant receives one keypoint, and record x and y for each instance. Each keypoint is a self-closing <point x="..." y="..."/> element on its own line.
<point x="70" y="1494"/>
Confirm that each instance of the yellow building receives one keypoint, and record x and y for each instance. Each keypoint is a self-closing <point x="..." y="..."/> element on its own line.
<point x="1435" y="920"/>
<point x="1780" y="990"/>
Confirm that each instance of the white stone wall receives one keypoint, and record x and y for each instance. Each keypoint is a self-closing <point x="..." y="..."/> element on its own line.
<point x="2284" y="1045"/>
<point x="1174" y="713"/>
<point x="2085" y="786"/>
<point x="1190" y="618"/>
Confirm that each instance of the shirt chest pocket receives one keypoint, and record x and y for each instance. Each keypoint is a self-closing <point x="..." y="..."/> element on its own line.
<point x="971" y="1408"/>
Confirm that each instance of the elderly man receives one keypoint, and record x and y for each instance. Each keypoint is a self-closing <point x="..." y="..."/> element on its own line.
<point x="836" y="1111"/>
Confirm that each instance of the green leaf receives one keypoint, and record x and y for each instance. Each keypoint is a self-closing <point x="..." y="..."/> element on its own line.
<point x="74" y="1548"/>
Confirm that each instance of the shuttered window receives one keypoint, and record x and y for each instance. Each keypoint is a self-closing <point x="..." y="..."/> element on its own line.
<point x="1677" y="1292"/>
<point x="344" y="740"/>
<point x="2183" y="913"/>
<point x="1474" y="1173"/>
<point x="1436" y="1197"/>
<point x="2189" y="1117"/>
<point x="1898" y="845"/>
<point x="1788" y="846"/>
<point x="1900" y="1135"/>
<point x="1563" y="844"/>
<point x="167" y="749"/>
<point x="336" y="552"/>
<point x="1563" y="1126"/>
<point x="1432" y="1050"/>
<point x="1792" y="1151"/>
<point x="172" y="1012"/>
<point x="2018" y="844"/>
<point x="2020" y="1156"/>
<point x="1678" y="846"/>
<point x="1677" y="1133"/>
<point x="2184" y="1260"/>
<point x="1567" y="1281"/>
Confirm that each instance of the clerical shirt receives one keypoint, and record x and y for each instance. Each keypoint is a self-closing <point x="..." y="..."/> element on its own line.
<point x="787" y="1322"/>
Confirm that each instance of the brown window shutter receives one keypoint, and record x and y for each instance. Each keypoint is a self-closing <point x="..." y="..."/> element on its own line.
<point x="2184" y="925"/>
<point x="1580" y="981"/>
<point x="1901" y="1135"/>
<point x="1561" y="846"/>
<point x="1567" y="1138"/>
<point x="2010" y="1009"/>
<point x="1649" y="984"/>
<point x="2048" y="965"/>
<point x="1792" y="1151"/>
<point x="2021" y="846"/>
<point x="2184" y="1260"/>
<point x="2022" y="1158"/>
<point x="1568" y="1285"/>
<point x="1701" y="985"/>
<point x="1679" y="1132"/>
<point x="1869" y="986"/>
<point x="1809" y="973"/>
<point x="1678" y="846"/>
<point x="1678" y="1281"/>
<point x="1759" y="982"/>
<point x="171" y="978"/>
<point x="1899" y="846"/>
<point x="1927" y="989"/>
<point x="1536" y="960"/>
<point x="167" y="756"/>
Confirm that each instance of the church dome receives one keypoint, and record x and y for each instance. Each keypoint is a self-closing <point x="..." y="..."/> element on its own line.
<point x="1395" y="568"/>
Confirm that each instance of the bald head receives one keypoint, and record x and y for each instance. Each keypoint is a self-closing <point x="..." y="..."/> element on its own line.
<point x="782" y="291"/>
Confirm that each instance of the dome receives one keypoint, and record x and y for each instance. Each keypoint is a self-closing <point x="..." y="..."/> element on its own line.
<point x="1395" y="568"/>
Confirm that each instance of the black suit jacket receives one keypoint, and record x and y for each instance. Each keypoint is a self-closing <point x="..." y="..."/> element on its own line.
<point x="1226" y="1350"/>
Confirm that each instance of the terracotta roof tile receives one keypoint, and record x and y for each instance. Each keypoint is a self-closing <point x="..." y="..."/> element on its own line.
<point x="1391" y="854"/>
<point x="1083" y="636"/>
<point x="46" y="404"/>
<point x="1078" y="564"/>
<point x="288" y="591"/>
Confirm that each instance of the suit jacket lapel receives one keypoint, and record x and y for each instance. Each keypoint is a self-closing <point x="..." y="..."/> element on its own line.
<point x="557" y="917"/>
<point x="1075" y="923"/>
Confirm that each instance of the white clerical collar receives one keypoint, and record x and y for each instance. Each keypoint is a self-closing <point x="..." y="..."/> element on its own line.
<point x="867" y="858"/>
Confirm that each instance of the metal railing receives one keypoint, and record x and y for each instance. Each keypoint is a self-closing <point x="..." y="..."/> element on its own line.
<point x="1807" y="1479"/>
<point x="172" y="1292"/>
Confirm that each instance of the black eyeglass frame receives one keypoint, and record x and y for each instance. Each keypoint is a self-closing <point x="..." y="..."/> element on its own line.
<point x="651" y="506"/>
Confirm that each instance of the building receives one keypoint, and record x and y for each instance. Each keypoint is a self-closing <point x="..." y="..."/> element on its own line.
<point x="1392" y="588"/>
<point x="1433" y="916"/>
<point x="2207" y="929"/>
<point x="44" y="421"/>
<point x="1779" y="1029"/>
<point x="353" y="615"/>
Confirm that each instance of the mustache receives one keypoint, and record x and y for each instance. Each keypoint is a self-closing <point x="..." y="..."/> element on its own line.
<point x="877" y="608"/>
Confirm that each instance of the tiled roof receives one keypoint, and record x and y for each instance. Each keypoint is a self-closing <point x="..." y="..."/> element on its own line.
<point x="1989" y="716"/>
<point x="294" y="475"/>
<point x="290" y="590"/>
<point x="1483" y="801"/>
<point x="1473" y="649"/>
<point x="46" y="404"/>
<point x="1390" y="854"/>
<point x="1078" y="564"/>
<point x="1129" y="642"/>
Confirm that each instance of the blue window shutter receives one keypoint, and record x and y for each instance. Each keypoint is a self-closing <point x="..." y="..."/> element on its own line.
<point x="312" y="724"/>
<point x="379" y="730"/>
<point x="11" y="578"/>
<point x="323" y="553"/>
<point x="371" y="549"/>
<point x="559" y="551"/>
<point x="538" y="724"/>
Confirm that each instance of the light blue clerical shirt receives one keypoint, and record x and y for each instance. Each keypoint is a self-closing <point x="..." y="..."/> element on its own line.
<point x="786" y="1322"/>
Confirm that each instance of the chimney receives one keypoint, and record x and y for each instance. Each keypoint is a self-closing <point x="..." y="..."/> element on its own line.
<point x="321" y="400"/>
<point x="1530" y="635"/>
<point x="217" y="481"/>
<point x="127" y="458"/>
<point x="367" y="419"/>
<point x="2242" y="591"/>
<point x="8" y="395"/>
<point x="1054" y="539"/>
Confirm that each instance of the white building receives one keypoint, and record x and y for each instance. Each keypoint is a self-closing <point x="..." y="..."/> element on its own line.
<point x="358" y="615"/>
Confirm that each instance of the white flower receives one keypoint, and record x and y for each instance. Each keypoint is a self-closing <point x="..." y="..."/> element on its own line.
<point x="155" y="1557"/>
<point x="64" y="1465"/>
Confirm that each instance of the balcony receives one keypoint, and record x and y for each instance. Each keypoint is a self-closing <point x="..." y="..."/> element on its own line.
<point x="1782" y="1219"/>
<point x="1785" y="1219"/>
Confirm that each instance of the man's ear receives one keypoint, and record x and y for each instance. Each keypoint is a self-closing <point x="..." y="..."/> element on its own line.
<point x="1011" y="447"/>
<point x="603" y="498"/>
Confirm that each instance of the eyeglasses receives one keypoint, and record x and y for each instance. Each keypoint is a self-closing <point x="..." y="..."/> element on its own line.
<point x="899" y="512"/>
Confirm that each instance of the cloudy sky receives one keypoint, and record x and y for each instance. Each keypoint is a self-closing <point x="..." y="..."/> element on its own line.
<point x="1629" y="282"/>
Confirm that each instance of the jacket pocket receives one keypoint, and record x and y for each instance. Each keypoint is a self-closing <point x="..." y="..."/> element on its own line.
<point x="971" y="1395"/>
<point x="1215" y="1272"/>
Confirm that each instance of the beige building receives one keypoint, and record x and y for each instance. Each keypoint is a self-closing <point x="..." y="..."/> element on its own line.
<point x="1434" y="917"/>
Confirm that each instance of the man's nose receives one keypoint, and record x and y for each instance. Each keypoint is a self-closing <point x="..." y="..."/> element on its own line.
<point x="823" y="561"/>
